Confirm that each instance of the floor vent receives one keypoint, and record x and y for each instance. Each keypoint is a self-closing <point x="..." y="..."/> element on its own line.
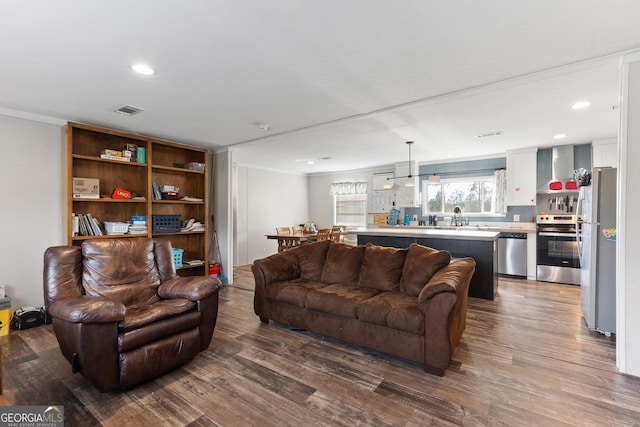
<point x="128" y="110"/>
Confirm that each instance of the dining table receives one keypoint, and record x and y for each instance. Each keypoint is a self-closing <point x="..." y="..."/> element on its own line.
<point x="286" y="241"/>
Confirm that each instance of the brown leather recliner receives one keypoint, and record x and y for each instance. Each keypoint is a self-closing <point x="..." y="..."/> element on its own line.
<point x="120" y="312"/>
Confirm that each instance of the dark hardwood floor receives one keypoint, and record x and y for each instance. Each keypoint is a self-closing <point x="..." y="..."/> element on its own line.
<point x="525" y="359"/>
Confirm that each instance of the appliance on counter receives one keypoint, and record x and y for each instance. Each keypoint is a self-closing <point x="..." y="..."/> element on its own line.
<point x="557" y="254"/>
<point x="596" y="212"/>
<point x="512" y="254"/>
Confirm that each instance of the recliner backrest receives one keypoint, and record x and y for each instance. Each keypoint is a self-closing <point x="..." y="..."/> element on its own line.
<point x="121" y="269"/>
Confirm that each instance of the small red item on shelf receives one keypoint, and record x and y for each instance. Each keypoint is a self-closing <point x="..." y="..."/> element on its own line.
<point x="121" y="193"/>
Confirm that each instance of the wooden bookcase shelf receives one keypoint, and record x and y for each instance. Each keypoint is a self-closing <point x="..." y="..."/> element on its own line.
<point x="165" y="164"/>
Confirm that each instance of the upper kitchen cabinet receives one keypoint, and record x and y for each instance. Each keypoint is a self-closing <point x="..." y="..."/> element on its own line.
<point x="605" y="153"/>
<point x="407" y="192"/>
<point x="521" y="177"/>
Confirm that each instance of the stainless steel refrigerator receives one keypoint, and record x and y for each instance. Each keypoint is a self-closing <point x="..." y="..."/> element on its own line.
<point x="596" y="213"/>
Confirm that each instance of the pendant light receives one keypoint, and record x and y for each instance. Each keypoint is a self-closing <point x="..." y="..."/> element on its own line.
<point x="434" y="179"/>
<point x="410" y="182"/>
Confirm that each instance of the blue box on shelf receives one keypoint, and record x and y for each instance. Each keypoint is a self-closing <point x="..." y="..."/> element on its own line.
<point x="177" y="257"/>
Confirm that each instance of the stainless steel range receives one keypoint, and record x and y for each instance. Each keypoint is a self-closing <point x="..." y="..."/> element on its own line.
<point x="558" y="260"/>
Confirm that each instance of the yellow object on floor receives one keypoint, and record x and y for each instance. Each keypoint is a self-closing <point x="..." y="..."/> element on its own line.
<point x="5" y="321"/>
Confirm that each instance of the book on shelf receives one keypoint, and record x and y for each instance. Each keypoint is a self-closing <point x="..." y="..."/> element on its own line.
<point x="112" y="157"/>
<point x="85" y="196"/>
<point x="192" y="225"/>
<point x="95" y="227"/>
<point x="85" y="225"/>
<point x="155" y="191"/>
<point x="192" y="262"/>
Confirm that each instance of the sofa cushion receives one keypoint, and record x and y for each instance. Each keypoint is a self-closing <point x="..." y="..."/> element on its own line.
<point x="420" y="266"/>
<point x="393" y="309"/>
<point x="292" y="292"/>
<point x="311" y="258"/>
<point x="339" y="300"/>
<point x="382" y="267"/>
<point x="343" y="264"/>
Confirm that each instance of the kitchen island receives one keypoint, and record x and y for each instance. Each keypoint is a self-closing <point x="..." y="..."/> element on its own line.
<point x="463" y="242"/>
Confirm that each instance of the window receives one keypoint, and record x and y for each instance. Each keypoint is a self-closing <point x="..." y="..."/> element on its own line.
<point x="350" y="209"/>
<point x="474" y="195"/>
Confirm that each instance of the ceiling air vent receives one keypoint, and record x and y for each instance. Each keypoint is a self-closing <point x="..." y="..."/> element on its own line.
<point x="128" y="110"/>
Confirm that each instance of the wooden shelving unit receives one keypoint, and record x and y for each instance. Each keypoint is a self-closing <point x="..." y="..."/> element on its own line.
<point x="164" y="166"/>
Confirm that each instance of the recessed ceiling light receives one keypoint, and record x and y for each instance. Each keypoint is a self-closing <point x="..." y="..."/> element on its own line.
<point x="580" y="104"/>
<point x="560" y="136"/>
<point x="310" y="162"/>
<point x="143" y="69"/>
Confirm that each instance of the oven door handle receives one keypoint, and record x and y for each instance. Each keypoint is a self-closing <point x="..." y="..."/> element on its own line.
<point x="550" y="234"/>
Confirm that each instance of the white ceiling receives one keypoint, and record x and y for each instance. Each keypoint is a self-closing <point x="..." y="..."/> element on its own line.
<point x="350" y="81"/>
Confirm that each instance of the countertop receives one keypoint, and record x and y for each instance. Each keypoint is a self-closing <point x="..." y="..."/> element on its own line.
<point x="463" y="233"/>
<point x="502" y="227"/>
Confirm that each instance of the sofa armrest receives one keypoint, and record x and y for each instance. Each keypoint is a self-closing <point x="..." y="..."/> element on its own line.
<point x="444" y="304"/>
<point x="454" y="277"/>
<point x="87" y="309"/>
<point x="280" y="267"/>
<point x="193" y="288"/>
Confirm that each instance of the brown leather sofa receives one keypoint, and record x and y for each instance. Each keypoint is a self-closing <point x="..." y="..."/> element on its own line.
<point x="120" y="312"/>
<point x="409" y="303"/>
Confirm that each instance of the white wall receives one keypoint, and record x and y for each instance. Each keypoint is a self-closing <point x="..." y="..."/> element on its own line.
<point x="222" y="193"/>
<point x="628" y="228"/>
<point x="30" y="204"/>
<point x="266" y="200"/>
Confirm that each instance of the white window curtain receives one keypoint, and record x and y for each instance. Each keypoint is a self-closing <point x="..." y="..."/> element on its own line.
<point x="348" y="187"/>
<point x="500" y="191"/>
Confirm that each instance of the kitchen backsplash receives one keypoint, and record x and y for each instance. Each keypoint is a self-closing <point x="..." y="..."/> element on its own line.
<point x="557" y="203"/>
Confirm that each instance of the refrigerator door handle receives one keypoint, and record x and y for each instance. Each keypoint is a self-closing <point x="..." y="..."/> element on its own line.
<point x="579" y="241"/>
<point x="579" y="221"/>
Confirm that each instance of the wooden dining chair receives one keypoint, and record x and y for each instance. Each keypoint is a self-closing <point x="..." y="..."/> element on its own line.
<point x="336" y="233"/>
<point x="323" y="234"/>
<point x="283" y="231"/>
<point x="285" y="243"/>
<point x="298" y="229"/>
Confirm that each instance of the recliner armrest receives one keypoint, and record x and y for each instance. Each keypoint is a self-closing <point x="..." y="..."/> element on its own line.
<point x="193" y="288"/>
<point x="88" y="309"/>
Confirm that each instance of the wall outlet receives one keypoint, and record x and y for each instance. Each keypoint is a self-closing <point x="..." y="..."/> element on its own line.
<point x="516" y="218"/>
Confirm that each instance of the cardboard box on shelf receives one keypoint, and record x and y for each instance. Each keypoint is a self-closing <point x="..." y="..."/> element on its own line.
<point x="86" y="186"/>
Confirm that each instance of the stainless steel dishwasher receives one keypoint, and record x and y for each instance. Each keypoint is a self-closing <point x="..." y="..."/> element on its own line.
<point x="512" y="254"/>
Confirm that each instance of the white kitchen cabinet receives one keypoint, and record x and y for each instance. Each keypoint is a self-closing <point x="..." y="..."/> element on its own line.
<point x="605" y="153"/>
<point x="532" y="254"/>
<point x="521" y="177"/>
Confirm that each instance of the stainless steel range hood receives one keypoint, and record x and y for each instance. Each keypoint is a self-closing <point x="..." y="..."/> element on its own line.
<point x="562" y="163"/>
<point x="562" y="169"/>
